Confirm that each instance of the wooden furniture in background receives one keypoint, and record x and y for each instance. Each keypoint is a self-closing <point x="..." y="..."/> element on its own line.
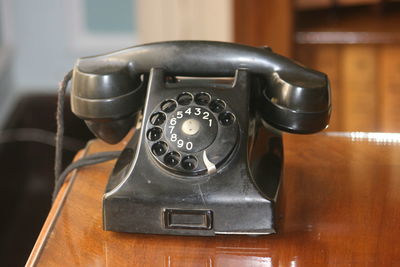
<point x="339" y="206"/>
<point x="356" y="42"/>
<point x="317" y="4"/>
<point x="359" y="49"/>
<point x="265" y="22"/>
<point x="389" y="82"/>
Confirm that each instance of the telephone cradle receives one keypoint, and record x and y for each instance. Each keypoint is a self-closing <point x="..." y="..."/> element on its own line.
<point x="206" y="156"/>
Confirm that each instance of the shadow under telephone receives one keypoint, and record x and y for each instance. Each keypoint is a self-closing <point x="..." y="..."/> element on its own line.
<point x="206" y="157"/>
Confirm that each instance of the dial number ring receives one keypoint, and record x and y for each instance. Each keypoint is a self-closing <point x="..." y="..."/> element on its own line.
<point x="193" y="130"/>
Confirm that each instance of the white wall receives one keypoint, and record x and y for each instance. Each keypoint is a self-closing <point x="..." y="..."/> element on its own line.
<point x="160" y="20"/>
<point x="43" y="53"/>
<point x="41" y="56"/>
<point x="42" y="49"/>
<point x="7" y="98"/>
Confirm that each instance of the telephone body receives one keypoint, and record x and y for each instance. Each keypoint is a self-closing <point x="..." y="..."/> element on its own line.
<point x="207" y="155"/>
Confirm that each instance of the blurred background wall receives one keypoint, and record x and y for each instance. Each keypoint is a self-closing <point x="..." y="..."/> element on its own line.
<point x="45" y="37"/>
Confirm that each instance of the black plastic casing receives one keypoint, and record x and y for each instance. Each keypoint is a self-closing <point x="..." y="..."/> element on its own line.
<point x="143" y="198"/>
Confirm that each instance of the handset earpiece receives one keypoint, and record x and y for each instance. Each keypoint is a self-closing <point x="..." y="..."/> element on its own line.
<point x="108" y="98"/>
<point x="296" y="100"/>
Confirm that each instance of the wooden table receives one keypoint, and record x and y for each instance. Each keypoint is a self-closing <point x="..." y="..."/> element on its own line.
<point x="340" y="206"/>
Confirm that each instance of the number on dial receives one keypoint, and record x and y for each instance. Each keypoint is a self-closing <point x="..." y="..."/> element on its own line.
<point x="189" y="112"/>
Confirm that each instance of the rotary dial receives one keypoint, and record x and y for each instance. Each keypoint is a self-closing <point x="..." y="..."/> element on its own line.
<point x="192" y="134"/>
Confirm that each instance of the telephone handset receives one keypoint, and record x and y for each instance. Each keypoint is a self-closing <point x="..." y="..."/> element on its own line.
<point x="206" y="157"/>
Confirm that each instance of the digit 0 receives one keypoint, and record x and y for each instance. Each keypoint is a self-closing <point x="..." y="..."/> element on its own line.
<point x="189" y="145"/>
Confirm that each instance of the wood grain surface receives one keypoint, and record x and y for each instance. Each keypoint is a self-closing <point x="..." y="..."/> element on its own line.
<point x="265" y="23"/>
<point x="339" y="206"/>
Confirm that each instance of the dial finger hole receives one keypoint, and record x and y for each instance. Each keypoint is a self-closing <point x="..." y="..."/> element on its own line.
<point x="154" y="134"/>
<point x="189" y="162"/>
<point x="202" y="99"/>
<point x="172" y="158"/>
<point x="226" y="118"/>
<point x="217" y="105"/>
<point x="168" y="106"/>
<point x="157" y="118"/>
<point x="159" y="148"/>
<point x="184" y="99"/>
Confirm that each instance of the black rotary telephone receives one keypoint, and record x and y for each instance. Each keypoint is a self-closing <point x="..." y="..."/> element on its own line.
<point x="206" y="157"/>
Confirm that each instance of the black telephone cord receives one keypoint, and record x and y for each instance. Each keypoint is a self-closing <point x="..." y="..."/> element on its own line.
<point x="38" y="136"/>
<point x="59" y="178"/>
<point x="88" y="160"/>
<point x="60" y="124"/>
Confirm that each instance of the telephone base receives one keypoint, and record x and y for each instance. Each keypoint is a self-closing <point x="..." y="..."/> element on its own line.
<point x="241" y="203"/>
<point x="231" y="185"/>
<point x="195" y="222"/>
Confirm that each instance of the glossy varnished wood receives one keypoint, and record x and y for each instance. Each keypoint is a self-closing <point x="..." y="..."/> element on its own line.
<point x="340" y="206"/>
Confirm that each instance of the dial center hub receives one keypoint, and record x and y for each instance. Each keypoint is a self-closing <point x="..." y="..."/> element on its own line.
<point x="190" y="127"/>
